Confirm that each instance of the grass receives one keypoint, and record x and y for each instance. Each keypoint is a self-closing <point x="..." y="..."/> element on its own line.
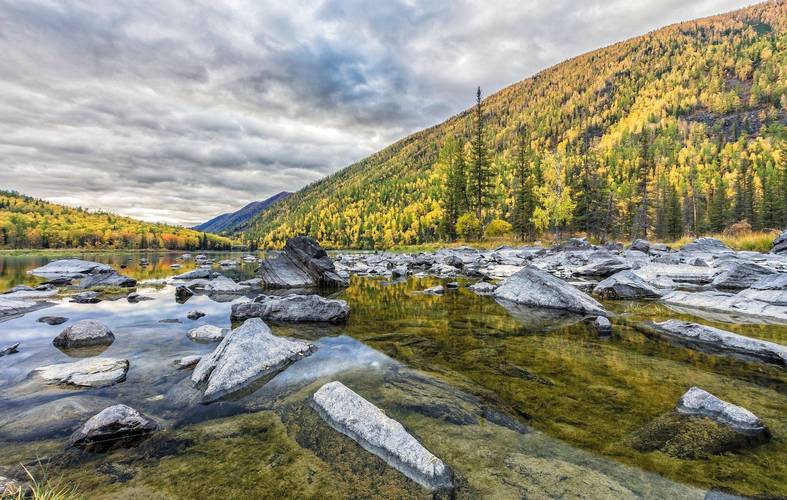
<point x="46" y="488"/>
<point x="754" y="241"/>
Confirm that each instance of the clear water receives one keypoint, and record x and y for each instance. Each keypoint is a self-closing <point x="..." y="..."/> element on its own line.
<point x="518" y="403"/>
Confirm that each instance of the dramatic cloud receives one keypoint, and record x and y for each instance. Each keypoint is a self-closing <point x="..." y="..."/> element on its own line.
<point x="178" y="110"/>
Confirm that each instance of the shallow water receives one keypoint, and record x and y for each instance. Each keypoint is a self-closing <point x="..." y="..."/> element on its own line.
<point x="518" y="402"/>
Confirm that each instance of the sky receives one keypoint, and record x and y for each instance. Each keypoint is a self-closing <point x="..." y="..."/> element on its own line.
<point x="176" y="111"/>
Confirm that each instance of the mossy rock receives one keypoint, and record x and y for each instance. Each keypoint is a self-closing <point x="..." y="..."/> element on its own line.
<point x="690" y="437"/>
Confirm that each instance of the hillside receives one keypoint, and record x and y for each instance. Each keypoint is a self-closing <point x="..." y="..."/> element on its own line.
<point x="233" y="222"/>
<point x="27" y="222"/>
<point x="681" y="130"/>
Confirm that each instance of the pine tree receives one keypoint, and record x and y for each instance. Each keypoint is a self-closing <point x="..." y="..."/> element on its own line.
<point x="480" y="173"/>
<point x="455" y="192"/>
<point x="524" y="202"/>
<point x="674" y="214"/>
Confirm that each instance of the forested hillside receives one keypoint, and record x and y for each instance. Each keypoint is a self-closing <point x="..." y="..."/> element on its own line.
<point x="27" y="222"/>
<point x="678" y="131"/>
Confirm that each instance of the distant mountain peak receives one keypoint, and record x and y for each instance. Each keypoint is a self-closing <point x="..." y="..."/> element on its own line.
<point x="232" y="222"/>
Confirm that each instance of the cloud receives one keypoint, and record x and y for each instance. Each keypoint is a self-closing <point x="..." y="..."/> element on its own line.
<point x="176" y="111"/>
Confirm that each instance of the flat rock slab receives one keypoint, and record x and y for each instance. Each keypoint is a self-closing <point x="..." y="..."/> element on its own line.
<point x="292" y="308"/>
<point x="363" y="422"/>
<point x="70" y="267"/>
<point x="223" y="284"/>
<point x="90" y="372"/>
<point x="9" y="349"/>
<point x="537" y="288"/>
<point x="728" y="304"/>
<point x="723" y="341"/>
<point x="195" y="274"/>
<point x="682" y="273"/>
<point x="207" y="333"/>
<point x="13" y="307"/>
<point x="107" y="279"/>
<point x="697" y="401"/>
<point x="84" y="333"/>
<point x="248" y="353"/>
<point x="625" y="285"/>
<point x="113" y="427"/>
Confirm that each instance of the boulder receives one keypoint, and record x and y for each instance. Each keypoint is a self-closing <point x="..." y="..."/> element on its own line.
<point x="738" y="275"/>
<point x="194" y="274"/>
<point x="86" y="298"/>
<point x="573" y="244"/>
<point x="187" y="361"/>
<point x="292" y="308"/>
<point x="729" y="304"/>
<point x="52" y="320"/>
<point x="699" y="402"/>
<point x="482" y="288"/>
<point x="602" y="267"/>
<point x="223" y="284"/>
<point x="640" y="245"/>
<point x="84" y="333"/>
<point x="454" y="261"/>
<point x="183" y="293"/>
<point x="249" y="353"/>
<point x="625" y="285"/>
<point x="107" y="279"/>
<point x="718" y="340"/>
<point x="780" y="244"/>
<point x="90" y="372"/>
<point x="115" y="427"/>
<point x="207" y="333"/>
<point x="533" y="287"/>
<point x="70" y="268"/>
<point x="14" y="307"/>
<point x="9" y="349"/>
<point x="706" y="245"/>
<point x="195" y="315"/>
<point x="367" y="425"/>
<point x="303" y="263"/>
<point x="603" y="325"/>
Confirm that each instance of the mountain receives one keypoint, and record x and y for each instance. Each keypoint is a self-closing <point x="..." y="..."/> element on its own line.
<point x="232" y="222"/>
<point x="27" y="222"/>
<point x="679" y="130"/>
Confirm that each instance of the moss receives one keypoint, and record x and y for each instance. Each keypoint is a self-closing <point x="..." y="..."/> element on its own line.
<point x="689" y="437"/>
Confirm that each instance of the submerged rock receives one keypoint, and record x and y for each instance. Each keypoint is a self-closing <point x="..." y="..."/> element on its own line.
<point x="729" y="304"/>
<point x="84" y="333"/>
<point x="303" y="263"/>
<point x="114" y="427"/>
<point x="533" y="287"/>
<point x="718" y="340"/>
<point x="364" y="423"/>
<point x="700" y="402"/>
<point x="625" y="285"/>
<point x="208" y="333"/>
<point x="248" y="353"/>
<point x="13" y="307"/>
<point x="10" y="349"/>
<point x="52" y="320"/>
<point x="90" y="372"/>
<point x="435" y="290"/>
<point x="194" y="315"/>
<point x="292" y="308"/>
<point x="482" y="288"/>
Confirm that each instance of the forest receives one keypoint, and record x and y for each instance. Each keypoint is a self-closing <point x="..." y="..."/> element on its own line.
<point x="27" y="222"/>
<point x="677" y="132"/>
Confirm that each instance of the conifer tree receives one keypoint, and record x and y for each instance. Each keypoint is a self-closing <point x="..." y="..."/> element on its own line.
<point x="480" y="174"/>
<point x="524" y="202"/>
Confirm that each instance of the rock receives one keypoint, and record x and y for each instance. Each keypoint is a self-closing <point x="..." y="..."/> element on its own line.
<point x="400" y="272"/>
<point x="640" y="245"/>
<point x="452" y="285"/>
<point x="84" y="333"/>
<point x="303" y="263"/>
<point x="183" y="293"/>
<point x="454" y="261"/>
<point x="11" y="349"/>
<point x="533" y="287"/>
<point x="52" y="320"/>
<point x="729" y="304"/>
<point x="573" y="244"/>
<point x="602" y="267"/>
<point x="114" y="427"/>
<point x="482" y="288"/>
<point x="170" y="321"/>
<point x="780" y="244"/>
<point x="52" y="419"/>
<point x="24" y="294"/>
<point x="699" y="402"/>
<point x="625" y="285"/>
<point x="771" y="282"/>
<point x="107" y="279"/>
<point x="208" y="333"/>
<point x="223" y="284"/>
<point x="187" y="361"/>
<point x="292" y="308"/>
<point x="253" y="282"/>
<point x="603" y="325"/>
<point x="739" y="275"/>
<point x="718" y="340"/>
<point x="435" y="290"/>
<point x="71" y="268"/>
<point x="706" y="245"/>
<point x="195" y="315"/>
<point x="90" y="372"/>
<point x="677" y="272"/>
<point x="193" y="275"/>
<point x="10" y="488"/>
<point x="364" y="423"/>
<point x="248" y="353"/>
<point x="86" y="298"/>
<point x="13" y="307"/>
<point x="228" y="263"/>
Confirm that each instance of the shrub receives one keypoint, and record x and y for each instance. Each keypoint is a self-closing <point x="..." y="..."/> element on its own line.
<point x="468" y="226"/>
<point x="498" y="228"/>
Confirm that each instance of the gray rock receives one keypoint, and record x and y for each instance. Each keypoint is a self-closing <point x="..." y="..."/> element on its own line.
<point x="14" y="307"/>
<point x="364" y="423"/>
<point x="187" y="361"/>
<point x="249" y="353"/>
<point x="86" y="298"/>
<point x="52" y="320"/>
<point x="90" y="372"/>
<point x="114" y="427"/>
<point x="718" y="340"/>
<point x="533" y="287"/>
<point x="603" y="325"/>
<point x="771" y="282"/>
<point x="194" y="274"/>
<point x="780" y="244"/>
<point x="53" y="418"/>
<point x="253" y="282"/>
<point x="183" y="293"/>
<point x="602" y="267"/>
<point x="84" y="333"/>
<point x="699" y="402"/>
<point x="435" y="290"/>
<point x="208" y="333"/>
<point x="573" y="244"/>
<point x="739" y="275"/>
<point x="482" y="288"/>
<point x="303" y="263"/>
<point x="706" y="245"/>
<point x="728" y="304"/>
<point x="400" y="272"/>
<point x="107" y="279"/>
<point x="681" y="273"/>
<point x="10" y="488"/>
<point x="292" y="308"/>
<point x="640" y="245"/>
<point x="194" y="315"/>
<point x="70" y="267"/>
<point x="454" y="261"/>
<point x="223" y="284"/>
<point x="625" y="285"/>
<point x="11" y="349"/>
<point x="452" y="285"/>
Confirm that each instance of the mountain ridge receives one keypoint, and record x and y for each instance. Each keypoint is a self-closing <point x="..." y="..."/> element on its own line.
<point x="233" y="221"/>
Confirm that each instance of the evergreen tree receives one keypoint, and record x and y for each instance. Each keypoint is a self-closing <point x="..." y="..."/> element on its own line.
<point x="524" y="202"/>
<point x="455" y="192"/>
<point x="480" y="172"/>
<point x="674" y="214"/>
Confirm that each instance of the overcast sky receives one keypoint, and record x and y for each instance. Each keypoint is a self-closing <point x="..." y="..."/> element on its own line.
<point x="177" y="111"/>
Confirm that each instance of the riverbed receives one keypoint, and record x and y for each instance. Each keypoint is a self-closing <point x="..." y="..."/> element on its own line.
<point x="517" y="404"/>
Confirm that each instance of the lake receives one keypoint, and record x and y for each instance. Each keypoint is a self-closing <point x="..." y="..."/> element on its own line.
<point x="518" y="404"/>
